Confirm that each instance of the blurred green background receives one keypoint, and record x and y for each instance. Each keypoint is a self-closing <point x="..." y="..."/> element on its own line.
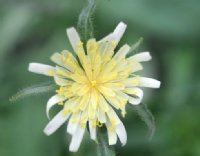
<point x="31" y="30"/>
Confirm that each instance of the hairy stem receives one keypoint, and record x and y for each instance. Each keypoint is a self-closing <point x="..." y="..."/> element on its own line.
<point x="103" y="148"/>
<point x="85" y="22"/>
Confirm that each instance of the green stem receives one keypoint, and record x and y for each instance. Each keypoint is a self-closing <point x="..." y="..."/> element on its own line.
<point x="85" y="22"/>
<point x="103" y="148"/>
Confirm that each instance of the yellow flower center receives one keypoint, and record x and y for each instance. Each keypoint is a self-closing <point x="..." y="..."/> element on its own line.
<point x="93" y="83"/>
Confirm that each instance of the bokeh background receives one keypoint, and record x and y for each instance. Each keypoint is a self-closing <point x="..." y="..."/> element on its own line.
<point x="31" y="30"/>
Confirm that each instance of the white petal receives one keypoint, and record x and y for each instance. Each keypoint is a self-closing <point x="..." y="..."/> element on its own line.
<point x="136" y="100"/>
<point x="73" y="37"/>
<point x="121" y="133"/>
<point x="53" y="101"/>
<point x="92" y="131"/>
<point x="119" y="31"/>
<point x="41" y="68"/>
<point x="112" y="115"/>
<point x="61" y="81"/>
<point x="62" y="72"/>
<point x="123" y="113"/>
<point x="122" y="96"/>
<point x="106" y="91"/>
<point x="102" y="116"/>
<point x="71" y="127"/>
<point x="122" y="52"/>
<point x="55" y="123"/>
<point x="76" y="139"/>
<point x="117" y="34"/>
<point x="56" y="58"/>
<point x="141" y="57"/>
<point x="131" y="82"/>
<point x="112" y="136"/>
<point x="149" y="82"/>
<point x="136" y="66"/>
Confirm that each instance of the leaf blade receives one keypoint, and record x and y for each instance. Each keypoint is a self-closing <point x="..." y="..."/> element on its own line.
<point x="32" y="90"/>
<point x="146" y="116"/>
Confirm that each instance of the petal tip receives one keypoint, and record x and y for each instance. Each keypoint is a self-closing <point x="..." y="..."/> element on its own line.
<point x="31" y="66"/>
<point x="46" y="131"/>
<point x="122" y="24"/>
<point x="159" y="84"/>
<point x="71" y="149"/>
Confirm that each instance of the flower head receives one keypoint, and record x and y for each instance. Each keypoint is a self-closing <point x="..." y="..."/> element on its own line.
<point x="93" y="83"/>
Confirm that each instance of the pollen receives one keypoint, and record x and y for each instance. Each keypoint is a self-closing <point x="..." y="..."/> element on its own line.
<point x="51" y="73"/>
<point x="93" y="83"/>
<point x="65" y="112"/>
<point x="80" y="44"/>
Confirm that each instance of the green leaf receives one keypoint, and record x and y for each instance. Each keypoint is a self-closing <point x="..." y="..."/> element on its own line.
<point x="135" y="46"/>
<point x="146" y="115"/>
<point x="32" y="90"/>
<point x="85" y="22"/>
<point x="103" y="148"/>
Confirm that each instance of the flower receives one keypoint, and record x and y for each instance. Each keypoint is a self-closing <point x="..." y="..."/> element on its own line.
<point x="92" y="84"/>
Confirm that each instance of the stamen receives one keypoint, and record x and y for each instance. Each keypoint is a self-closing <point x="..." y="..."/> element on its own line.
<point x="114" y="43"/>
<point x="80" y="44"/>
<point x="82" y="125"/>
<point x="51" y="73"/>
<point x="93" y="83"/>
<point x="61" y="103"/>
<point x="135" y="82"/>
<point x="63" y="58"/>
<point x="99" y="124"/>
<point x="94" y="124"/>
<point x="123" y="113"/>
<point x="65" y="111"/>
